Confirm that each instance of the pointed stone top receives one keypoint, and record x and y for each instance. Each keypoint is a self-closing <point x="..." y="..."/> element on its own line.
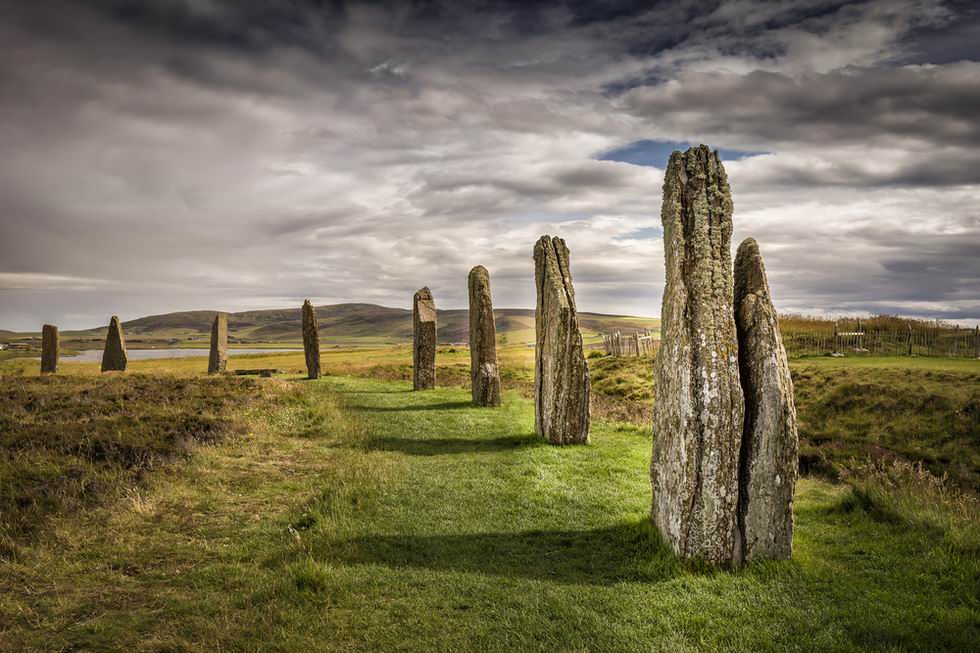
<point x="425" y="305"/>
<point x="551" y="256"/>
<point x="479" y="271"/>
<point x="750" y="271"/>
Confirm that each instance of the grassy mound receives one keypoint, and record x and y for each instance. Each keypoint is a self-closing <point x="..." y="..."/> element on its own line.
<point x="71" y="442"/>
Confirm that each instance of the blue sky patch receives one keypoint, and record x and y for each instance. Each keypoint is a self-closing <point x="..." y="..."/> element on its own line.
<point x="646" y="233"/>
<point x="656" y="153"/>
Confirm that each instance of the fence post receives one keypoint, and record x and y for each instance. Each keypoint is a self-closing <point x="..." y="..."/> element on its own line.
<point x="835" y="337"/>
<point x="976" y="342"/>
<point x="910" y="338"/>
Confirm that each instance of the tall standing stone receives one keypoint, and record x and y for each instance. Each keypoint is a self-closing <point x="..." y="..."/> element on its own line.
<point x="50" y="349"/>
<point x="311" y="341"/>
<point x="218" y="361"/>
<point x="484" y="376"/>
<point x="424" y="340"/>
<point x="114" y="358"/>
<point x="561" y="375"/>
<point x="697" y="420"/>
<point x="770" y="444"/>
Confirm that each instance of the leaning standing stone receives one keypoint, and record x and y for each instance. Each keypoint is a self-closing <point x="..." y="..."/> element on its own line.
<point x="50" y="346"/>
<point x="424" y="340"/>
<point x="697" y="418"/>
<point x="484" y="377"/>
<point x="770" y="444"/>
<point x="218" y="362"/>
<point x="561" y="375"/>
<point x="311" y="341"/>
<point x="114" y="356"/>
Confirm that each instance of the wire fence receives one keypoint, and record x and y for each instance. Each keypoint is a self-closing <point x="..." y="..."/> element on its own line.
<point x="952" y="343"/>
<point x="941" y="342"/>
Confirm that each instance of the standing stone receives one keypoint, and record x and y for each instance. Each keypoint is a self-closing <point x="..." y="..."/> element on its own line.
<point x="50" y="348"/>
<point x="697" y="418"/>
<point x="424" y="340"/>
<point x="311" y="341"/>
<point x="561" y="375"/>
<point x="218" y="361"/>
<point x="484" y="376"/>
<point x="114" y="356"/>
<point x="770" y="444"/>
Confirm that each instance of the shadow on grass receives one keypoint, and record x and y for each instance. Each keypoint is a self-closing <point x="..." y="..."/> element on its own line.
<point x="446" y="405"/>
<point x="630" y="551"/>
<point x="442" y="446"/>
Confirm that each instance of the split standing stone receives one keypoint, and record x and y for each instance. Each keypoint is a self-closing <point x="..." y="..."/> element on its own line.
<point x="424" y="340"/>
<point x="697" y="421"/>
<point x="770" y="444"/>
<point x="484" y="376"/>
<point x="218" y="361"/>
<point x="50" y="349"/>
<point x="561" y="376"/>
<point x="311" y="341"/>
<point x="114" y="358"/>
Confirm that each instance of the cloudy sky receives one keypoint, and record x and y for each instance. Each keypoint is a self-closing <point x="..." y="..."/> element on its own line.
<point x="234" y="154"/>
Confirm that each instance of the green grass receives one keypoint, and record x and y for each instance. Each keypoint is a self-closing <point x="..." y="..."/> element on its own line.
<point x="358" y="515"/>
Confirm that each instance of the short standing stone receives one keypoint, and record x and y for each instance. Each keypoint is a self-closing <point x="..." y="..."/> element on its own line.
<point x="424" y="340"/>
<point x="218" y="361"/>
<point x="484" y="377"/>
<point x="50" y="348"/>
<point x="561" y="375"/>
<point x="770" y="444"/>
<point x="697" y="418"/>
<point x="114" y="356"/>
<point x="311" y="341"/>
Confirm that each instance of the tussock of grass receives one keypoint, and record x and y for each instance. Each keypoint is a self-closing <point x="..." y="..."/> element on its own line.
<point x="71" y="442"/>
<point x="907" y="493"/>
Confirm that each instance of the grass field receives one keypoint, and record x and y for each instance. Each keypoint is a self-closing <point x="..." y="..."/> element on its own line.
<point x="353" y="514"/>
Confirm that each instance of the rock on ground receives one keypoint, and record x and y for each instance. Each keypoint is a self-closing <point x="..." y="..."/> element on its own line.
<point x="50" y="349"/>
<point x="114" y="358"/>
<point x="697" y="423"/>
<point x="424" y="340"/>
<point x="484" y="376"/>
<point x="311" y="341"/>
<point x="770" y="444"/>
<point x="218" y="361"/>
<point x="561" y="376"/>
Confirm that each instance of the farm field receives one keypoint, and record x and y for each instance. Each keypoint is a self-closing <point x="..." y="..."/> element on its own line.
<point x="172" y="511"/>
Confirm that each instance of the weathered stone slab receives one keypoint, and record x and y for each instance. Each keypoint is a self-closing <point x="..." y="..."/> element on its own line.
<point x="218" y="361"/>
<point x="424" y="340"/>
<point x="50" y="349"/>
<point x="114" y="358"/>
<point x="561" y="376"/>
<point x="697" y="422"/>
<point x="770" y="444"/>
<point x="484" y="376"/>
<point x="311" y="341"/>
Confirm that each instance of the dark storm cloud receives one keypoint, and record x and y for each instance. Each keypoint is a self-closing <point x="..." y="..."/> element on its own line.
<point x="936" y="105"/>
<point x="241" y="154"/>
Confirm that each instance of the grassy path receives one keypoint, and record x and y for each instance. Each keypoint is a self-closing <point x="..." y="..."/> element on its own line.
<point x="359" y="515"/>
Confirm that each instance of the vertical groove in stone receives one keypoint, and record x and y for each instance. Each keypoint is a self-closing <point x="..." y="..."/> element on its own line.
<point x="311" y="341"/>
<point x="114" y="358"/>
<point x="50" y="349"/>
<point x="218" y="359"/>
<point x="769" y="462"/>
<point x="484" y="375"/>
<point x="562" y="385"/>
<point x="699" y="409"/>
<point x="423" y="340"/>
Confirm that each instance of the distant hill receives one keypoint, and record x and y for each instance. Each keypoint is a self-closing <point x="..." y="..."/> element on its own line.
<point x="352" y="323"/>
